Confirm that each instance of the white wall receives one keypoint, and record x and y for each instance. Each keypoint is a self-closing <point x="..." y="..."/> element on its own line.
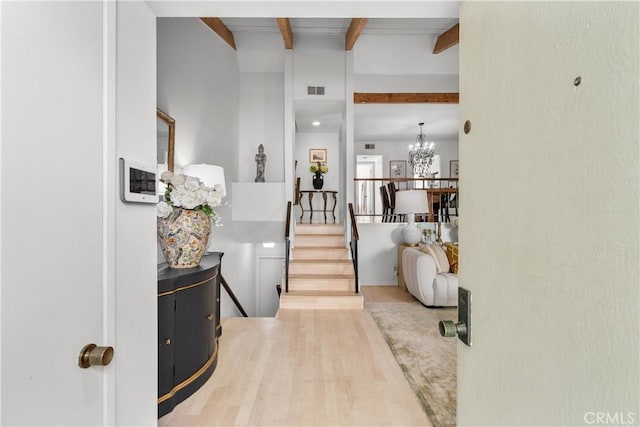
<point x="261" y="117"/>
<point x="199" y="88"/>
<point x="556" y="276"/>
<point x="222" y="114"/>
<point x="136" y="278"/>
<point x="318" y="60"/>
<point x="306" y="141"/>
<point x="402" y="54"/>
<point x="448" y="150"/>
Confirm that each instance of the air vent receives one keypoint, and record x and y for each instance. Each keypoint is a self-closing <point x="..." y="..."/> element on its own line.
<point x="315" y="90"/>
<point x="369" y="146"/>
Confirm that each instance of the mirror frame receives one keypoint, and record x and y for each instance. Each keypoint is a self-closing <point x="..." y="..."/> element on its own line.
<point x="172" y="136"/>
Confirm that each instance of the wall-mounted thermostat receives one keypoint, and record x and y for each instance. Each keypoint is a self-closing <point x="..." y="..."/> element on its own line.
<point x="138" y="182"/>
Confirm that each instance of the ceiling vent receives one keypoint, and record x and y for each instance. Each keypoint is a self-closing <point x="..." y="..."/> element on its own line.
<point x="369" y="146"/>
<point x="315" y="90"/>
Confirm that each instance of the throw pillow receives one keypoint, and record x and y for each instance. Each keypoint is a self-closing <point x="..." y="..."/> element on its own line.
<point x="452" y="256"/>
<point x="439" y="256"/>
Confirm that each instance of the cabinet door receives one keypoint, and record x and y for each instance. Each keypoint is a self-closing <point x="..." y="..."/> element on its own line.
<point x="195" y="328"/>
<point x="166" y="344"/>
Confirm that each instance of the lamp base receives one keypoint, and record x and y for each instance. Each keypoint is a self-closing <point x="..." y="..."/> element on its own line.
<point x="411" y="234"/>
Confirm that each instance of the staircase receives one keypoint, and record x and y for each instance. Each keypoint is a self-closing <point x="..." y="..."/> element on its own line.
<point x="321" y="274"/>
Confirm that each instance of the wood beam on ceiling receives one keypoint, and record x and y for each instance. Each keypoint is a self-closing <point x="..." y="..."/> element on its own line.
<point x="354" y="31"/>
<point x="406" y="98"/>
<point x="218" y="27"/>
<point x="285" y="30"/>
<point x="449" y="38"/>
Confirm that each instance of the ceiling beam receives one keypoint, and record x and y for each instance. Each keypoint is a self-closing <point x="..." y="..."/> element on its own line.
<point x="285" y="30"/>
<point x="354" y="31"/>
<point x="218" y="27"/>
<point x="449" y="38"/>
<point x="406" y="98"/>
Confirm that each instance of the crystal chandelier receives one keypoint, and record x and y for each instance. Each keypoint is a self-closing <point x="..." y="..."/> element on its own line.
<point x="421" y="155"/>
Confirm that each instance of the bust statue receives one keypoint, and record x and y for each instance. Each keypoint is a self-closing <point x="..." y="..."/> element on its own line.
<point x="261" y="159"/>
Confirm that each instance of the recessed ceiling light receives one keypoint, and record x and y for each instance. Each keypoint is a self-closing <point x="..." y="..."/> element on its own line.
<point x="316" y="123"/>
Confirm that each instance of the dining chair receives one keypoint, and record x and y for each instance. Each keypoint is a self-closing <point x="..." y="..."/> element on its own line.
<point x="386" y="206"/>
<point x="392" y="202"/>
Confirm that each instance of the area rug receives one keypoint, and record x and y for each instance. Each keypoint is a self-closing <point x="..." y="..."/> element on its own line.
<point x="427" y="359"/>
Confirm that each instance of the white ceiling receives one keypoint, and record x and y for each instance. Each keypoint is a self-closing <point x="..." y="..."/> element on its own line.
<point x="372" y="122"/>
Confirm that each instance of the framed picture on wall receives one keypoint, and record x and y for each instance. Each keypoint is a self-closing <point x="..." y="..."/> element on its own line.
<point x="398" y="168"/>
<point x="318" y="155"/>
<point x="454" y="171"/>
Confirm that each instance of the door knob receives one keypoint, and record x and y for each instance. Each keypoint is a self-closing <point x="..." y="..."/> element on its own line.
<point x="462" y="328"/>
<point x="450" y="329"/>
<point x="92" y="355"/>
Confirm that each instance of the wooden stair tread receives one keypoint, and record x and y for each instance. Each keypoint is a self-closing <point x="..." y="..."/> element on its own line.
<point x="321" y="294"/>
<point x="321" y="261"/>
<point x="320" y="235"/>
<point x="321" y="276"/>
<point x="319" y="247"/>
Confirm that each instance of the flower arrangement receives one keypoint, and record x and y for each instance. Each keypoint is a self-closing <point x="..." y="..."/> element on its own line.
<point x="188" y="192"/>
<point x="321" y="167"/>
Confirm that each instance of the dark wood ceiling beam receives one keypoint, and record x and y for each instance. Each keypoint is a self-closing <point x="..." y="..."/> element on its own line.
<point x="285" y="30"/>
<point x="354" y="31"/>
<point x="449" y="38"/>
<point x="406" y="98"/>
<point x="218" y="27"/>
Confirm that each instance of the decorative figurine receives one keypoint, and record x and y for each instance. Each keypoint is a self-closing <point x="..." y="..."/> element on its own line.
<point x="261" y="159"/>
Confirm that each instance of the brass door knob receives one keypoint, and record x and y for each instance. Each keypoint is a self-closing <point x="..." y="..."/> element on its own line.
<point x="92" y="355"/>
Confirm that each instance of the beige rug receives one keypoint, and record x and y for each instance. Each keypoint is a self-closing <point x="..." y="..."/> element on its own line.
<point x="427" y="359"/>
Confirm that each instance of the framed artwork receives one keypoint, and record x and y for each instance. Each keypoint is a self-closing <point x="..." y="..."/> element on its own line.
<point x="318" y="155"/>
<point x="454" y="171"/>
<point x="398" y="168"/>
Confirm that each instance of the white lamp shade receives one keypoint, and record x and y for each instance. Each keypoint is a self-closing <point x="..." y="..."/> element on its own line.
<point x="411" y="202"/>
<point x="210" y="175"/>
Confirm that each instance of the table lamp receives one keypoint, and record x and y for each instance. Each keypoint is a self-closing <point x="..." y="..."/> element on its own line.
<point x="210" y="175"/>
<point x="411" y="202"/>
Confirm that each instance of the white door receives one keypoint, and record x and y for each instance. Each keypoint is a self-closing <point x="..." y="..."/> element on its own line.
<point x="53" y="267"/>
<point x="549" y="231"/>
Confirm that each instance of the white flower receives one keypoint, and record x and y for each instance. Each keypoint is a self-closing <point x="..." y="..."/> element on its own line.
<point x="191" y="183"/>
<point x="189" y="201"/>
<point x="166" y="177"/>
<point x="214" y="199"/>
<point x="178" y="179"/>
<point x="163" y="209"/>
<point x="189" y="192"/>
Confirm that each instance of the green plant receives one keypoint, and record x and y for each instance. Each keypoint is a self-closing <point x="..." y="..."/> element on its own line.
<point x="319" y="167"/>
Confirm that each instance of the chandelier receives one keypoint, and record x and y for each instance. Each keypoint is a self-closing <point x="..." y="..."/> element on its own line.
<point x="421" y="155"/>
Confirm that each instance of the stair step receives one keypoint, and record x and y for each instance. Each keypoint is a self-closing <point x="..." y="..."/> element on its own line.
<point x="320" y="266"/>
<point x="319" y="240"/>
<point x="308" y="282"/>
<point x="320" y="229"/>
<point x="321" y="300"/>
<point x="327" y="252"/>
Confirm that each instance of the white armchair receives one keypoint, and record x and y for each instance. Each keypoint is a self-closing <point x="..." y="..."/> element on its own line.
<point x="425" y="283"/>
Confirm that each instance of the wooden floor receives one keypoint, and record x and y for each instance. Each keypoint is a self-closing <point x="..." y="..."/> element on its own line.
<point x="306" y="367"/>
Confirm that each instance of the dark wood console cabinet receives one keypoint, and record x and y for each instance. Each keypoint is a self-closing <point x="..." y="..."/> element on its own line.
<point x="188" y="329"/>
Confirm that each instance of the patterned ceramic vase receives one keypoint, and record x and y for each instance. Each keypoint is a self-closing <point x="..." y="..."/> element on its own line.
<point x="183" y="237"/>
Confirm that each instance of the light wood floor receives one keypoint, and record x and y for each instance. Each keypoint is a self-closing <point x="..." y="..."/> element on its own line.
<point x="306" y="367"/>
